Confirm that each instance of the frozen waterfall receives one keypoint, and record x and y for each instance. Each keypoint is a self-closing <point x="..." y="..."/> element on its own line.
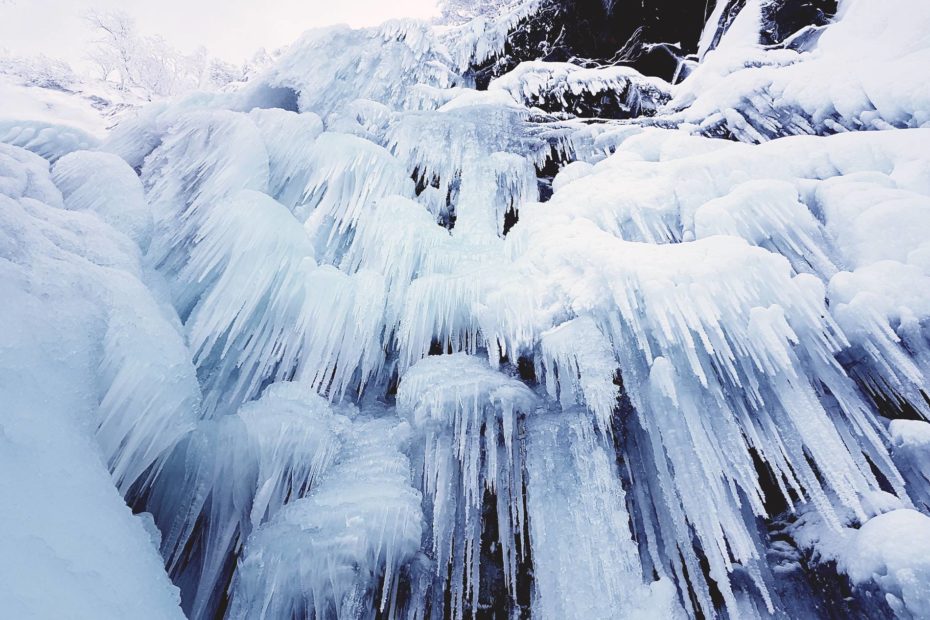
<point x="575" y="343"/>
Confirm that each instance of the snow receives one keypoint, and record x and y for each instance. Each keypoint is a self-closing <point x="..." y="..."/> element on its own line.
<point x="48" y="106"/>
<point x="377" y="64"/>
<point x="847" y="83"/>
<point x="71" y="289"/>
<point x="888" y="551"/>
<point x="538" y="83"/>
<point x="894" y="550"/>
<point x="911" y="446"/>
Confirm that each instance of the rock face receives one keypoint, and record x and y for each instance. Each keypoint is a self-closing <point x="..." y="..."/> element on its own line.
<point x="647" y="35"/>
<point x="651" y="36"/>
<point x="783" y="18"/>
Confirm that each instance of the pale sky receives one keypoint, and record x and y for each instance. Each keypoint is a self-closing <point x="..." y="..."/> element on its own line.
<point x="230" y="29"/>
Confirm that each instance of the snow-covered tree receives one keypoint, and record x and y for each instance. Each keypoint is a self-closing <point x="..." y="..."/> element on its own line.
<point x="39" y="71"/>
<point x="117" y="46"/>
<point x="149" y="63"/>
<point x="459" y="11"/>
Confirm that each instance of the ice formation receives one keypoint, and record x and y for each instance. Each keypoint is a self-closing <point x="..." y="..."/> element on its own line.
<point x="453" y="322"/>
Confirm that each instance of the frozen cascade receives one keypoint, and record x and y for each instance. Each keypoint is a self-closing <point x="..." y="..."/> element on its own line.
<point x="362" y="339"/>
<point x="467" y="416"/>
<point x="208" y="498"/>
<point x="340" y="551"/>
<point x="586" y="564"/>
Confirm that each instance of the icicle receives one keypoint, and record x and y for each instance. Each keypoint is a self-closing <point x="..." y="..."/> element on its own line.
<point x="150" y="393"/>
<point x="204" y="158"/>
<point x="438" y="145"/>
<point x="728" y="335"/>
<point x="379" y="64"/>
<point x="348" y="175"/>
<point x="94" y="376"/>
<point x="448" y="400"/>
<point x="289" y="139"/>
<point x="339" y="552"/>
<point x="245" y="277"/>
<point x="580" y="367"/>
<point x="395" y="239"/>
<point x="232" y="475"/>
<point x="490" y="187"/>
<point x="342" y="259"/>
<point x="585" y="563"/>
<point x="768" y="214"/>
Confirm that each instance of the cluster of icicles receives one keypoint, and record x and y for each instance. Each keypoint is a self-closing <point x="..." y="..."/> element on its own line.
<point x="380" y="368"/>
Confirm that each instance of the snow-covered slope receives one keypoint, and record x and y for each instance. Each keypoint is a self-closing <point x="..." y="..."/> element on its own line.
<point x="362" y="339"/>
<point x="93" y="373"/>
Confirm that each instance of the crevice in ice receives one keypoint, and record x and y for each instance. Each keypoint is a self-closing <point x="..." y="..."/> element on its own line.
<point x="267" y="96"/>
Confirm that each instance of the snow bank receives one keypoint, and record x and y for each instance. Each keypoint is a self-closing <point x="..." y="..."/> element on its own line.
<point x="858" y="77"/>
<point x="46" y="121"/>
<point x="117" y="390"/>
<point x="893" y="549"/>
